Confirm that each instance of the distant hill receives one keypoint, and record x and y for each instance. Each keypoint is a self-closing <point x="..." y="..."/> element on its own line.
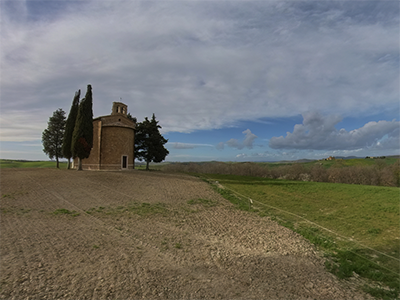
<point x="303" y="160"/>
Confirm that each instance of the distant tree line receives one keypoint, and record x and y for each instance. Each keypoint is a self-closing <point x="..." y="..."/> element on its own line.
<point x="73" y="137"/>
<point x="380" y="173"/>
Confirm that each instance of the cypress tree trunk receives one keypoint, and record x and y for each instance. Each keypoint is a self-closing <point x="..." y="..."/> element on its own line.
<point x="58" y="165"/>
<point x="79" y="164"/>
<point x="69" y="163"/>
<point x="147" y="165"/>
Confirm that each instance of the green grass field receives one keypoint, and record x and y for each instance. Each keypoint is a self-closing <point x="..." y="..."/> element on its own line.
<point x="8" y="163"/>
<point x="356" y="226"/>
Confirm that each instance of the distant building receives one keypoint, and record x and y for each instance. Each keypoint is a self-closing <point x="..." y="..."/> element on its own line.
<point x="330" y="158"/>
<point x="113" y="141"/>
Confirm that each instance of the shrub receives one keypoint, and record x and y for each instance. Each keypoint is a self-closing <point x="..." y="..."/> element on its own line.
<point x="378" y="174"/>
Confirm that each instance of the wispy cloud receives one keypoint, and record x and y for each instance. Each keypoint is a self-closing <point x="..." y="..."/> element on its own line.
<point x="268" y="156"/>
<point x="177" y="145"/>
<point x="18" y="126"/>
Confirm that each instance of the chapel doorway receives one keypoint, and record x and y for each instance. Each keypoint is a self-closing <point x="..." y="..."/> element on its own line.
<point x="124" y="162"/>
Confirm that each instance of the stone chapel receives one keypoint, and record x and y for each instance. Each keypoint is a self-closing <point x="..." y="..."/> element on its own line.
<point x="113" y="141"/>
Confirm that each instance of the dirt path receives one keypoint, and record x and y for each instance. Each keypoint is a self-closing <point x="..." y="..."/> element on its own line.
<point x="137" y="235"/>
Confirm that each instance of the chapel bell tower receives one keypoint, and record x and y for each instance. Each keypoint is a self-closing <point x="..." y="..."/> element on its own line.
<point x="119" y="108"/>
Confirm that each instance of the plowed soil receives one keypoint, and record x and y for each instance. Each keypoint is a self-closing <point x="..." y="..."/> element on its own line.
<point x="140" y="235"/>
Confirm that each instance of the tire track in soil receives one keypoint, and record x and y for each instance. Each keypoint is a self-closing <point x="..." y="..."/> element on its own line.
<point x="163" y="225"/>
<point x="31" y="255"/>
<point x="15" y="254"/>
<point x="179" y="258"/>
<point x="71" y="191"/>
<point x="143" y="284"/>
<point x="54" y="272"/>
<point x="34" y="197"/>
<point x="221" y="259"/>
<point x="25" y="244"/>
<point x="221" y="254"/>
<point x="52" y="246"/>
<point x="216" y="254"/>
<point x="255" y="235"/>
<point x="220" y="249"/>
<point x="208" y="222"/>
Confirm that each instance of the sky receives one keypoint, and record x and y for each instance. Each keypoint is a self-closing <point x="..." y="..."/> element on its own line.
<point x="227" y="80"/>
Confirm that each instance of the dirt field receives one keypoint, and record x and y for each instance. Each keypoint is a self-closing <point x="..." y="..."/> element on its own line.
<point x="138" y="235"/>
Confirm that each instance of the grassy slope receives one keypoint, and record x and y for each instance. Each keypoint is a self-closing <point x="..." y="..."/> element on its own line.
<point x="362" y="162"/>
<point x="5" y="163"/>
<point x="368" y="215"/>
<point x="357" y="162"/>
<point x="341" y="162"/>
<point x="351" y="210"/>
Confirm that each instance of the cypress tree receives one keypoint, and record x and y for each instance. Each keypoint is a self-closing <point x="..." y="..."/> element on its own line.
<point x="82" y="138"/>
<point x="69" y="128"/>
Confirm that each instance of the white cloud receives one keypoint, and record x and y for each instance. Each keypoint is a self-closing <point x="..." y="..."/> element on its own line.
<point x="201" y="65"/>
<point x="246" y="143"/>
<point x="318" y="132"/>
<point x="220" y="146"/>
